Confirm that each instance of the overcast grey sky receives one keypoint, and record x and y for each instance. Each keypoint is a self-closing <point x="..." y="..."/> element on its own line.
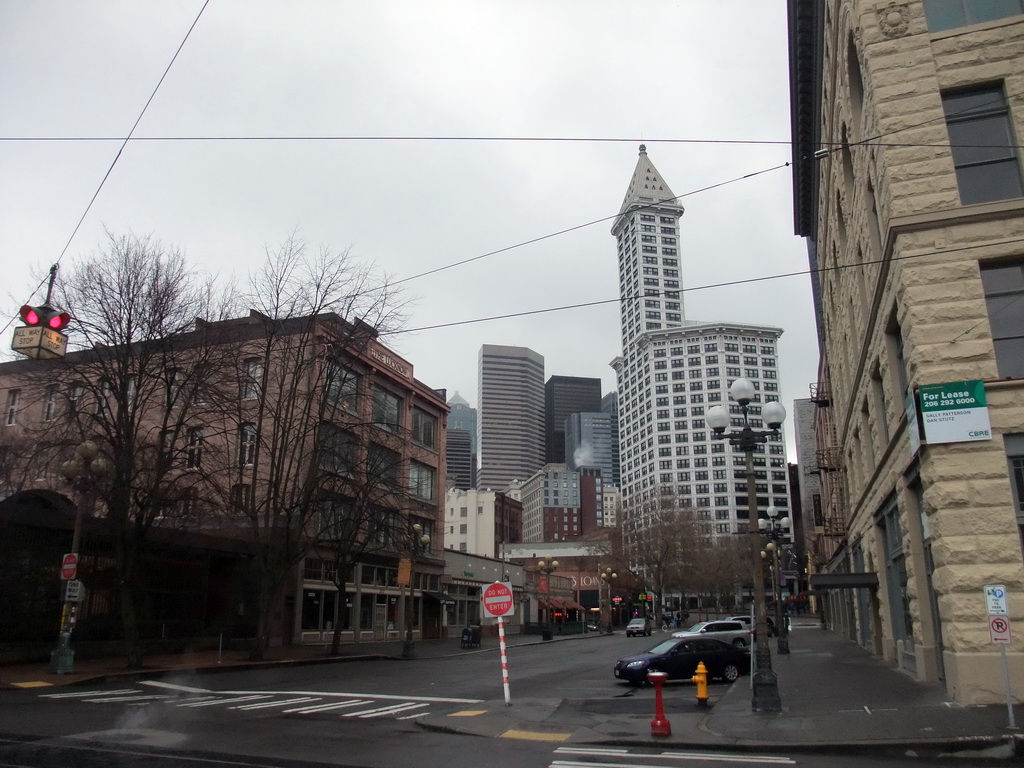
<point x="704" y="83"/>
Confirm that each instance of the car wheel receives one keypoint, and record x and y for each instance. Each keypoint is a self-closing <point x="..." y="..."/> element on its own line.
<point x="739" y="642"/>
<point x="730" y="673"/>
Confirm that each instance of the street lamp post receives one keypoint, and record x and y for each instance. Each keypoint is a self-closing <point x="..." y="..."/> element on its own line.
<point x="417" y="542"/>
<point x="776" y="530"/>
<point x="547" y="566"/>
<point x="765" y="681"/>
<point x="608" y="577"/>
<point x="83" y="473"/>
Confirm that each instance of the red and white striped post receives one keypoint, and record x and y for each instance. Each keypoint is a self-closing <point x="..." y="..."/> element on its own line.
<point x="497" y="602"/>
<point x="504" y="661"/>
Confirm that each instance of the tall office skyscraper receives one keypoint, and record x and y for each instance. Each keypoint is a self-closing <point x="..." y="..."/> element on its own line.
<point x="592" y="440"/>
<point x="462" y="416"/>
<point x="672" y="368"/>
<point x="511" y="419"/>
<point x="564" y="396"/>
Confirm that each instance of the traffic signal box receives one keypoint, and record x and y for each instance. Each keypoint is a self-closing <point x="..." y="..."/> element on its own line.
<point x="41" y="335"/>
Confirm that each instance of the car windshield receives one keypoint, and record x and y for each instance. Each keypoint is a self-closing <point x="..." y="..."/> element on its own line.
<point x="636" y="623"/>
<point x="697" y="627"/>
<point x="663" y="647"/>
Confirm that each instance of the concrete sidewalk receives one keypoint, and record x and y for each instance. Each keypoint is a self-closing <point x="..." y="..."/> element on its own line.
<point x="835" y="697"/>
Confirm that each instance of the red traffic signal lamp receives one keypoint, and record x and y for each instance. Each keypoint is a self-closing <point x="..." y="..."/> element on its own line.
<point x="45" y="316"/>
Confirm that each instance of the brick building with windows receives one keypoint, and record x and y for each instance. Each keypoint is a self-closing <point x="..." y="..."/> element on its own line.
<point x="264" y="430"/>
<point x="907" y="118"/>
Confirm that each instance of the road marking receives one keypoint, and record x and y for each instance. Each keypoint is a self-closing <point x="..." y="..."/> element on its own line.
<point x="149" y="697"/>
<point x="223" y="700"/>
<point x="468" y="713"/>
<point x="32" y="684"/>
<point x="328" y="707"/>
<point x="514" y="733"/>
<point x="722" y="757"/>
<point x="381" y="711"/>
<point x="285" y="702"/>
<point x="86" y="693"/>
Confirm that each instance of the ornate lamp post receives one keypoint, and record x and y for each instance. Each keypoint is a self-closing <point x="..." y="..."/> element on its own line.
<point x="85" y="473"/>
<point x="776" y="530"/>
<point x="546" y="566"/>
<point x="417" y="542"/>
<point x="608" y="577"/>
<point x="746" y="439"/>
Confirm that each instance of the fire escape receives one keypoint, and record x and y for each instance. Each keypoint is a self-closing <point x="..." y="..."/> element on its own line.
<point x="830" y="521"/>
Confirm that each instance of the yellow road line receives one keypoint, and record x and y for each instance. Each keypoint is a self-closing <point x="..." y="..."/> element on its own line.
<point x="534" y="736"/>
<point x="32" y="684"/>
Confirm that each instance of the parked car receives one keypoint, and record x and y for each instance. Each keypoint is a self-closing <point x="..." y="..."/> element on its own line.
<point x="678" y="658"/>
<point x="733" y="632"/>
<point x="746" y="620"/>
<point x="639" y="627"/>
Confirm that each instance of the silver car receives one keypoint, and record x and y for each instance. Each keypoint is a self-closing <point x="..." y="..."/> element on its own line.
<point x="733" y="632"/>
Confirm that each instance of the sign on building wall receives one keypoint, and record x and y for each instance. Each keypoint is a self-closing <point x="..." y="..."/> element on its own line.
<point x="955" y="412"/>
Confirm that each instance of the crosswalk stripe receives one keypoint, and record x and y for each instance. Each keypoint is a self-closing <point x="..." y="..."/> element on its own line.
<point x="150" y="697"/>
<point x="381" y="711"/>
<point x="268" y="704"/>
<point x="83" y="694"/>
<point x="224" y="700"/>
<point x="327" y="707"/>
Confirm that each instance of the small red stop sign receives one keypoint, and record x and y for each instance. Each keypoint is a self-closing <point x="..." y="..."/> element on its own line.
<point x="69" y="566"/>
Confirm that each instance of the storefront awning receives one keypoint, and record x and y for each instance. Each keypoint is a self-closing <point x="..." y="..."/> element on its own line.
<point x="441" y="598"/>
<point x="866" y="580"/>
<point x="572" y="605"/>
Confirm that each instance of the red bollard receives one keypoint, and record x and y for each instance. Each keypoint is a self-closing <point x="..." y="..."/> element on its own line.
<point x="659" y="725"/>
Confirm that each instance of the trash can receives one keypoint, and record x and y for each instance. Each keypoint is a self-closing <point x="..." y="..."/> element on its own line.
<point x="545" y="634"/>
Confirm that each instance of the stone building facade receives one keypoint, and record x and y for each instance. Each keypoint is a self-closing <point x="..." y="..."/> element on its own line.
<point x="907" y="185"/>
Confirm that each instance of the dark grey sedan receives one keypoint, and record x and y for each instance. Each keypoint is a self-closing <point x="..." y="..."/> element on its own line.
<point x="678" y="658"/>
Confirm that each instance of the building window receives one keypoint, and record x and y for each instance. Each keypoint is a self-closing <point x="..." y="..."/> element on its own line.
<point x="424" y="428"/>
<point x="52" y="403"/>
<point x="194" y="449"/>
<point x="1004" y="297"/>
<point x="1015" y="459"/>
<point x="342" y="388"/>
<point x="421" y="481"/>
<point x="253" y="383"/>
<point x="386" y="409"/>
<point x="982" y="142"/>
<point x="950" y="14"/>
<point x="246" y="445"/>
<point x="384" y="466"/>
<point x="13" y="399"/>
<point x="338" y="450"/>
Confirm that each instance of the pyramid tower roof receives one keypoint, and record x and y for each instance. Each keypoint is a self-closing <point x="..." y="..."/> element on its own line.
<point x="647" y="185"/>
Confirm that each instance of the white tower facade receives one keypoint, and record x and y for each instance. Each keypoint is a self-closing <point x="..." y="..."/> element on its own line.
<point x="673" y="369"/>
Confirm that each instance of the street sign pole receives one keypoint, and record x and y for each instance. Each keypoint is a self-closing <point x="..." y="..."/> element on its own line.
<point x="997" y="602"/>
<point x="497" y="601"/>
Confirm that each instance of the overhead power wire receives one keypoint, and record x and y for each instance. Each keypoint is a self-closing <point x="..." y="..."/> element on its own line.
<point x="124" y="143"/>
<point x="589" y="224"/>
<point x="725" y="284"/>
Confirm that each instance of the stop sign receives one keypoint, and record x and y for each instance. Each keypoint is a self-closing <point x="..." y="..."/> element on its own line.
<point x="69" y="566"/>
<point x="498" y="599"/>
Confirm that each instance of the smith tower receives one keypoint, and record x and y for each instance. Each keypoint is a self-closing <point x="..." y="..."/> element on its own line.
<point x="672" y="369"/>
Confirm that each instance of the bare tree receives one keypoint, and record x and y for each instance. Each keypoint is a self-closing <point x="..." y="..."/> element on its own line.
<point x="289" y="441"/>
<point x="666" y="551"/>
<point x="130" y="388"/>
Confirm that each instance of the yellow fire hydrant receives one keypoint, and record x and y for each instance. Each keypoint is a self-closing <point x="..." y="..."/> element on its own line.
<point x="700" y="678"/>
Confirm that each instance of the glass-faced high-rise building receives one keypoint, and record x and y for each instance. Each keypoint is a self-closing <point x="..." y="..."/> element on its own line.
<point x="510" y="422"/>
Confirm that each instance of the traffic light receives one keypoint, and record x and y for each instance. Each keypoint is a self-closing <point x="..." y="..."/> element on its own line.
<point x="45" y="316"/>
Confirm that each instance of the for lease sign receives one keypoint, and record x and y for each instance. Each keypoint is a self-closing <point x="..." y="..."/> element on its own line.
<point x="955" y="412"/>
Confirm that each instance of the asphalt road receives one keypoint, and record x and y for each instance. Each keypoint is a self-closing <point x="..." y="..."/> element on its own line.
<point x="351" y="714"/>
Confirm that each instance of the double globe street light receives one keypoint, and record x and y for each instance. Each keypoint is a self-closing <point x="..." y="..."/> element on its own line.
<point x="776" y="529"/>
<point x="747" y="439"/>
<point x="417" y="542"/>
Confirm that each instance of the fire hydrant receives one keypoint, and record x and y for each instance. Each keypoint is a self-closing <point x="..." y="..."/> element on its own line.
<point x="659" y="725"/>
<point x="700" y="678"/>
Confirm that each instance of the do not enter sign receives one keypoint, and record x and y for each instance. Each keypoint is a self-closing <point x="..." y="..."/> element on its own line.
<point x="69" y="566"/>
<point x="498" y="599"/>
